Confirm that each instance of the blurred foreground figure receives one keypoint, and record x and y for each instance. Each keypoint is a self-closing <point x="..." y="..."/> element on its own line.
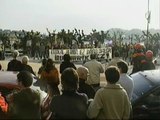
<point x="25" y="103"/>
<point x="110" y="102"/>
<point x="3" y="108"/>
<point x="71" y="104"/>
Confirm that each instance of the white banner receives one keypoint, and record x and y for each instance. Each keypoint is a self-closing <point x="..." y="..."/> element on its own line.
<point x="80" y="54"/>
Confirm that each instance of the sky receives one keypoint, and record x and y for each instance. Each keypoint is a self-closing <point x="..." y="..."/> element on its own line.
<point x="38" y="15"/>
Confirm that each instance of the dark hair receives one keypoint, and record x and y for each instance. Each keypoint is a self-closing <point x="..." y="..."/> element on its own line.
<point x="93" y="56"/>
<point x="122" y="65"/>
<point x="112" y="74"/>
<point x="66" y="57"/>
<point x="44" y="61"/>
<point x="116" y="54"/>
<point x="27" y="104"/>
<point x="69" y="79"/>
<point x="25" y="77"/>
<point x="49" y="65"/>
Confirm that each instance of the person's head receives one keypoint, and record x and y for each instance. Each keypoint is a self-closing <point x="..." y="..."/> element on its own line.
<point x="49" y="61"/>
<point x="15" y="54"/>
<point x="149" y="55"/>
<point x="123" y="67"/>
<point x="83" y="72"/>
<point x="25" y="59"/>
<point x="138" y="47"/>
<point x="66" y="57"/>
<point x="25" y="105"/>
<point x="44" y="61"/>
<point x="24" y="78"/>
<point x="69" y="79"/>
<point x="93" y="56"/>
<point x="116" y="54"/>
<point x="41" y="43"/>
<point x="49" y="65"/>
<point x="112" y="74"/>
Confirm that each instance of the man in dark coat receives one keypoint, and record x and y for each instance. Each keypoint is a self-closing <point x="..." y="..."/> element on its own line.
<point x="14" y="64"/>
<point x="66" y="63"/>
<point x="70" y="105"/>
<point x="83" y="73"/>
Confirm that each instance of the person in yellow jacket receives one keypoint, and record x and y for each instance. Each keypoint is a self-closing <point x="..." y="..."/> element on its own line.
<point x="110" y="102"/>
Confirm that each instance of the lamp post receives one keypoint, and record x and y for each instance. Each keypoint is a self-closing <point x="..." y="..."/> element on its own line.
<point x="148" y="16"/>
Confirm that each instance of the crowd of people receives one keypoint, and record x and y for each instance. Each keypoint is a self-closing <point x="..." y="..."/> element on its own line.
<point x="80" y="96"/>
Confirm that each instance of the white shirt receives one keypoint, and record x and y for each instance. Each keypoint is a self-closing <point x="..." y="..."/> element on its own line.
<point x="95" y="68"/>
<point x="127" y="83"/>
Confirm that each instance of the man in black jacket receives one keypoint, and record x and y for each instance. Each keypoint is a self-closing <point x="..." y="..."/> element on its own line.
<point x="71" y="104"/>
<point x="14" y="64"/>
<point x="83" y="73"/>
<point x="66" y="63"/>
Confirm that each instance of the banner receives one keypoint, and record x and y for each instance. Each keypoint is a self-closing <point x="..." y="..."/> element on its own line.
<point x="81" y="54"/>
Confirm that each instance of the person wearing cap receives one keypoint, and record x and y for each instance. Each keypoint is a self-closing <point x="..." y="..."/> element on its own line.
<point x="14" y="64"/>
<point x="149" y="65"/>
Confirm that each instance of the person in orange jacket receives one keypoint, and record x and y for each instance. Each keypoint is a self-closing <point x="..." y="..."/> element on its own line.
<point x="138" y="58"/>
<point x="50" y="77"/>
<point x="3" y="108"/>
